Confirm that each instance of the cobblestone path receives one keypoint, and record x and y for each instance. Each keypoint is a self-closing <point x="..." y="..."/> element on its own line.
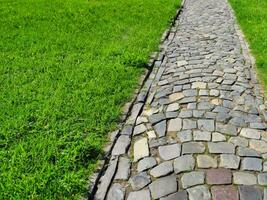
<point x="197" y="130"/>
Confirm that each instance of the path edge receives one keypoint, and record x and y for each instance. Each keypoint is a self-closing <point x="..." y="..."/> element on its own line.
<point x="154" y="58"/>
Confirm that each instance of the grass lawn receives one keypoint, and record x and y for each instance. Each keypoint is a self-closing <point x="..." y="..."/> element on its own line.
<point x="66" y="69"/>
<point x="252" y="17"/>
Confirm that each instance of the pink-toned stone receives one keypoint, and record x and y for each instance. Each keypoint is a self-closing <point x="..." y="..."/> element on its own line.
<point x="228" y="192"/>
<point x="219" y="176"/>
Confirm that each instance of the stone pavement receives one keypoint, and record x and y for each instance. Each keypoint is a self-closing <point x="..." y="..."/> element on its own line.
<point x="197" y="130"/>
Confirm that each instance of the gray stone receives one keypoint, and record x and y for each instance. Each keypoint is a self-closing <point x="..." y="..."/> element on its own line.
<point x="247" y="152"/>
<point x="160" y="128"/>
<point x="226" y="129"/>
<point x="155" y="118"/>
<point x="244" y="178"/>
<point x="139" y="129"/>
<point x="169" y="152"/>
<point x="138" y="195"/>
<point x="162" y="169"/>
<point x="258" y="145"/>
<point x="182" y="195"/>
<point x="200" y="192"/>
<point x="252" y="164"/>
<point x="123" y="171"/>
<point x="139" y="181"/>
<point x="250" y="193"/>
<point x="206" y="161"/>
<point x="184" y="163"/>
<point x="221" y="147"/>
<point x="155" y="142"/>
<point x="239" y="141"/>
<point x="206" y="124"/>
<point x="186" y="114"/>
<point x="250" y="133"/>
<point x="218" y="137"/>
<point x="262" y="179"/>
<point x="146" y="163"/>
<point x="127" y="130"/>
<point x="189" y="124"/>
<point x="116" y="192"/>
<point x="185" y="136"/>
<point x="229" y="161"/>
<point x="202" y="135"/>
<point x="163" y="186"/>
<point x="175" y="125"/>
<point x="121" y="145"/>
<point x="193" y="147"/>
<point x="192" y="178"/>
<point x="106" y="180"/>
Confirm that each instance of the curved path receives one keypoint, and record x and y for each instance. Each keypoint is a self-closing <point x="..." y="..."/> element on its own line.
<point x="200" y="133"/>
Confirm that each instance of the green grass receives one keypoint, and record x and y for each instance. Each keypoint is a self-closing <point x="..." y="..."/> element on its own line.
<point x="66" y="69"/>
<point x="252" y="17"/>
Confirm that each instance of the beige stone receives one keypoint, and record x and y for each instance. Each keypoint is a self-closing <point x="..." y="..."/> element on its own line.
<point x="140" y="149"/>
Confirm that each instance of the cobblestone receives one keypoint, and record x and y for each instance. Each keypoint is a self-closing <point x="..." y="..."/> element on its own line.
<point x="203" y="124"/>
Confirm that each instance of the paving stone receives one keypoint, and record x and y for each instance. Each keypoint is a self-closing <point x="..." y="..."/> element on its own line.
<point x="186" y="114"/>
<point x="258" y="145"/>
<point x="155" y="142"/>
<point x="202" y="135"/>
<point x="140" y="149"/>
<point x="156" y="118"/>
<point x="181" y="195"/>
<point x="163" y="186"/>
<point x="151" y="134"/>
<point x="244" y="178"/>
<point x="257" y="125"/>
<point x="162" y="169"/>
<point x="146" y="163"/>
<point x="205" y="106"/>
<point x="185" y="136"/>
<point x="189" y="124"/>
<point x="252" y="164"/>
<point x="226" y="129"/>
<point x="192" y="179"/>
<point x="262" y="179"/>
<point x="160" y="128"/>
<point x="123" y="171"/>
<point x="221" y="147"/>
<point x="175" y="125"/>
<point x="169" y="152"/>
<point x="206" y="125"/>
<point x="193" y="147"/>
<point x="249" y="193"/>
<point x="139" y="181"/>
<point x="199" y="85"/>
<point x="184" y="163"/>
<point x="127" y="130"/>
<point x="139" y="129"/>
<point x="227" y="192"/>
<point x="239" y="141"/>
<point x="106" y="179"/>
<point x="206" y="161"/>
<point x="219" y="176"/>
<point x="173" y="107"/>
<point x="200" y="192"/>
<point x="121" y="145"/>
<point x="229" y="161"/>
<point x="176" y="96"/>
<point x="247" y="152"/>
<point x="218" y="137"/>
<point x="250" y="133"/>
<point x="116" y="192"/>
<point x="142" y="194"/>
